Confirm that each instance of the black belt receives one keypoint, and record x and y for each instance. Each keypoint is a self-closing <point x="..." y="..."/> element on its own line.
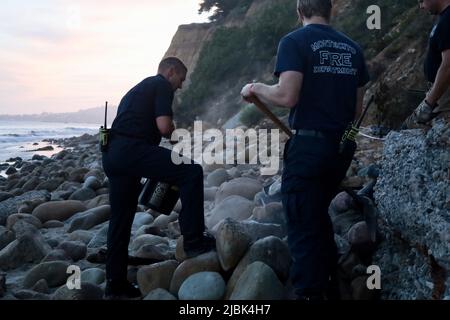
<point x="310" y="133"/>
<point x="128" y="135"/>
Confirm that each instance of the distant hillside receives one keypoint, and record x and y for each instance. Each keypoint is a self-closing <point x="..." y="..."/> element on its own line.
<point x="92" y="115"/>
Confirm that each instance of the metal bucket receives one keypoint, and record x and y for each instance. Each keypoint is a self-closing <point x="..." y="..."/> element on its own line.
<point x="159" y="196"/>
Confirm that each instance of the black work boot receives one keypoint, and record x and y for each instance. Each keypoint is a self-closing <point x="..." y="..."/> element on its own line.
<point x="197" y="246"/>
<point x="116" y="290"/>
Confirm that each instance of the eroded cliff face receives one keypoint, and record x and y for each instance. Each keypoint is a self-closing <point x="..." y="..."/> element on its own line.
<point x="188" y="42"/>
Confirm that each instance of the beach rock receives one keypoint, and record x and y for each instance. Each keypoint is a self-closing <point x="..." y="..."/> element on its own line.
<point x="271" y="213"/>
<point x="53" y="224"/>
<point x="30" y="295"/>
<point x="244" y="187"/>
<point x="258" y="282"/>
<point x="9" y="206"/>
<point x="27" y="167"/>
<point x="272" y="251"/>
<point x="159" y="294"/>
<point x="98" y="201"/>
<point x="158" y="252"/>
<point x="28" y="248"/>
<point x="31" y="184"/>
<point x="344" y="221"/>
<point x="96" y="173"/>
<point x="202" y="286"/>
<point x="162" y="221"/>
<point x="83" y="194"/>
<point x="360" y="290"/>
<point x="99" y="240"/>
<point x="77" y="175"/>
<point x="258" y="230"/>
<point x="157" y="275"/>
<point x="41" y="286"/>
<point x="38" y="157"/>
<point x="12" y="219"/>
<point x="76" y="250"/>
<point x="6" y="237"/>
<point x="341" y="203"/>
<point x="101" y="191"/>
<point x="140" y="219"/>
<point x="69" y="186"/>
<point x="235" y="207"/>
<point x="81" y="235"/>
<point x="217" y="177"/>
<point x="5" y="195"/>
<point x="358" y="235"/>
<point x="60" y="195"/>
<point x="147" y="239"/>
<point x="90" y="218"/>
<point x="2" y="284"/>
<point x="50" y="185"/>
<point x="92" y="182"/>
<point x="56" y="255"/>
<point x="88" y="291"/>
<point x="54" y="272"/>
<point x="53" y="243"/>
<point x="93" y="275"/>
<point x="232" y="242"/>
<point x="209" y="194"/>
<point x="206" y="262"/>
<point x="58" y="210"/>
<point x="234" y="172"/>
<point x="173" y="230"/>
<point x="30" y="205"/>
<point x="10" y="170"/>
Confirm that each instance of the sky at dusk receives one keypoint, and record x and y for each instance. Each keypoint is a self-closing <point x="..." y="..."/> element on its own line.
<point x="63" y="55"/>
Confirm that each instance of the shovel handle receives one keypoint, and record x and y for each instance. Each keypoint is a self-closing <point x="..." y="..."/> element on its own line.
<point x="261" y="106"/>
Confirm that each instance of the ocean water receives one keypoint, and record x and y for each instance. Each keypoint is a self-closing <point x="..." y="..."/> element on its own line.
<point x="17" y="137"/>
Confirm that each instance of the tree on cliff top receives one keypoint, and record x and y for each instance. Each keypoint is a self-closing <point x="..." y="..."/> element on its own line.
<point x="221" y="8"/>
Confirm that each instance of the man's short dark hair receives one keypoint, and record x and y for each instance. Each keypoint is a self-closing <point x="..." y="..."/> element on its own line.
<point x="309" y="8"/>
<point x="172" y="62"/>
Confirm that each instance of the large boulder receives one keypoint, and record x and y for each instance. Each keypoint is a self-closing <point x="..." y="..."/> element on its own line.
<point x="272" y="251"/>
<point x="54" y="272"/>
<point x="232" y="242"/>
<point x="206" y="262"/>
<point x="258" y="282"/>
<point x="202" y="286"/>
<point x="235" y="207"/>
<point x="244" y="187"/>
<point x="58" y="210"/>
<point x="27" y="248"/>
<point x="90" y="218"/>
<point x="157" y="275"/>
<point x="9" y="206"/>
<point x="413" y="199"/>
<point x="12" y="219"/>
<point x="217" y="177"/>
<point x="87" y="291"/>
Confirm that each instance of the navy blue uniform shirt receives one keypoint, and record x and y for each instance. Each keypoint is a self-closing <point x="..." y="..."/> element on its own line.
<point x="333" y="68"/>
<point x="139" y="108"/>
<point x="439" y="42"/>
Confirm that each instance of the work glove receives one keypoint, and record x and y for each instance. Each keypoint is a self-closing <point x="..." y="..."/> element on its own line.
<point x="424" y="112"/>
<point x="421" y="115"/>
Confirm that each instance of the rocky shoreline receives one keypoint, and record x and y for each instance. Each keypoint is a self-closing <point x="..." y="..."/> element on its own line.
<point x="54" y="214"/>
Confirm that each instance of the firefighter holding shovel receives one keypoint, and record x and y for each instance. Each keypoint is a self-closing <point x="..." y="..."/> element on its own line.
<point x="322" y="74"/>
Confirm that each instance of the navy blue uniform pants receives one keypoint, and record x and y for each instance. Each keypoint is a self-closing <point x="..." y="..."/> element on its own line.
<point x="125" y="162"/>
<point x="311" y="177"/>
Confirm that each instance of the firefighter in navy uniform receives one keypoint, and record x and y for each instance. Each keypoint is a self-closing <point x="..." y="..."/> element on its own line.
<point x="437" y="68"/>
<point x="322" y="74"/>
<point x="143" y="117"/>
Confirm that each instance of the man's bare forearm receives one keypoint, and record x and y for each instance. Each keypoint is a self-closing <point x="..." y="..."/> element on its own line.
<point x="441" y="85"/>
